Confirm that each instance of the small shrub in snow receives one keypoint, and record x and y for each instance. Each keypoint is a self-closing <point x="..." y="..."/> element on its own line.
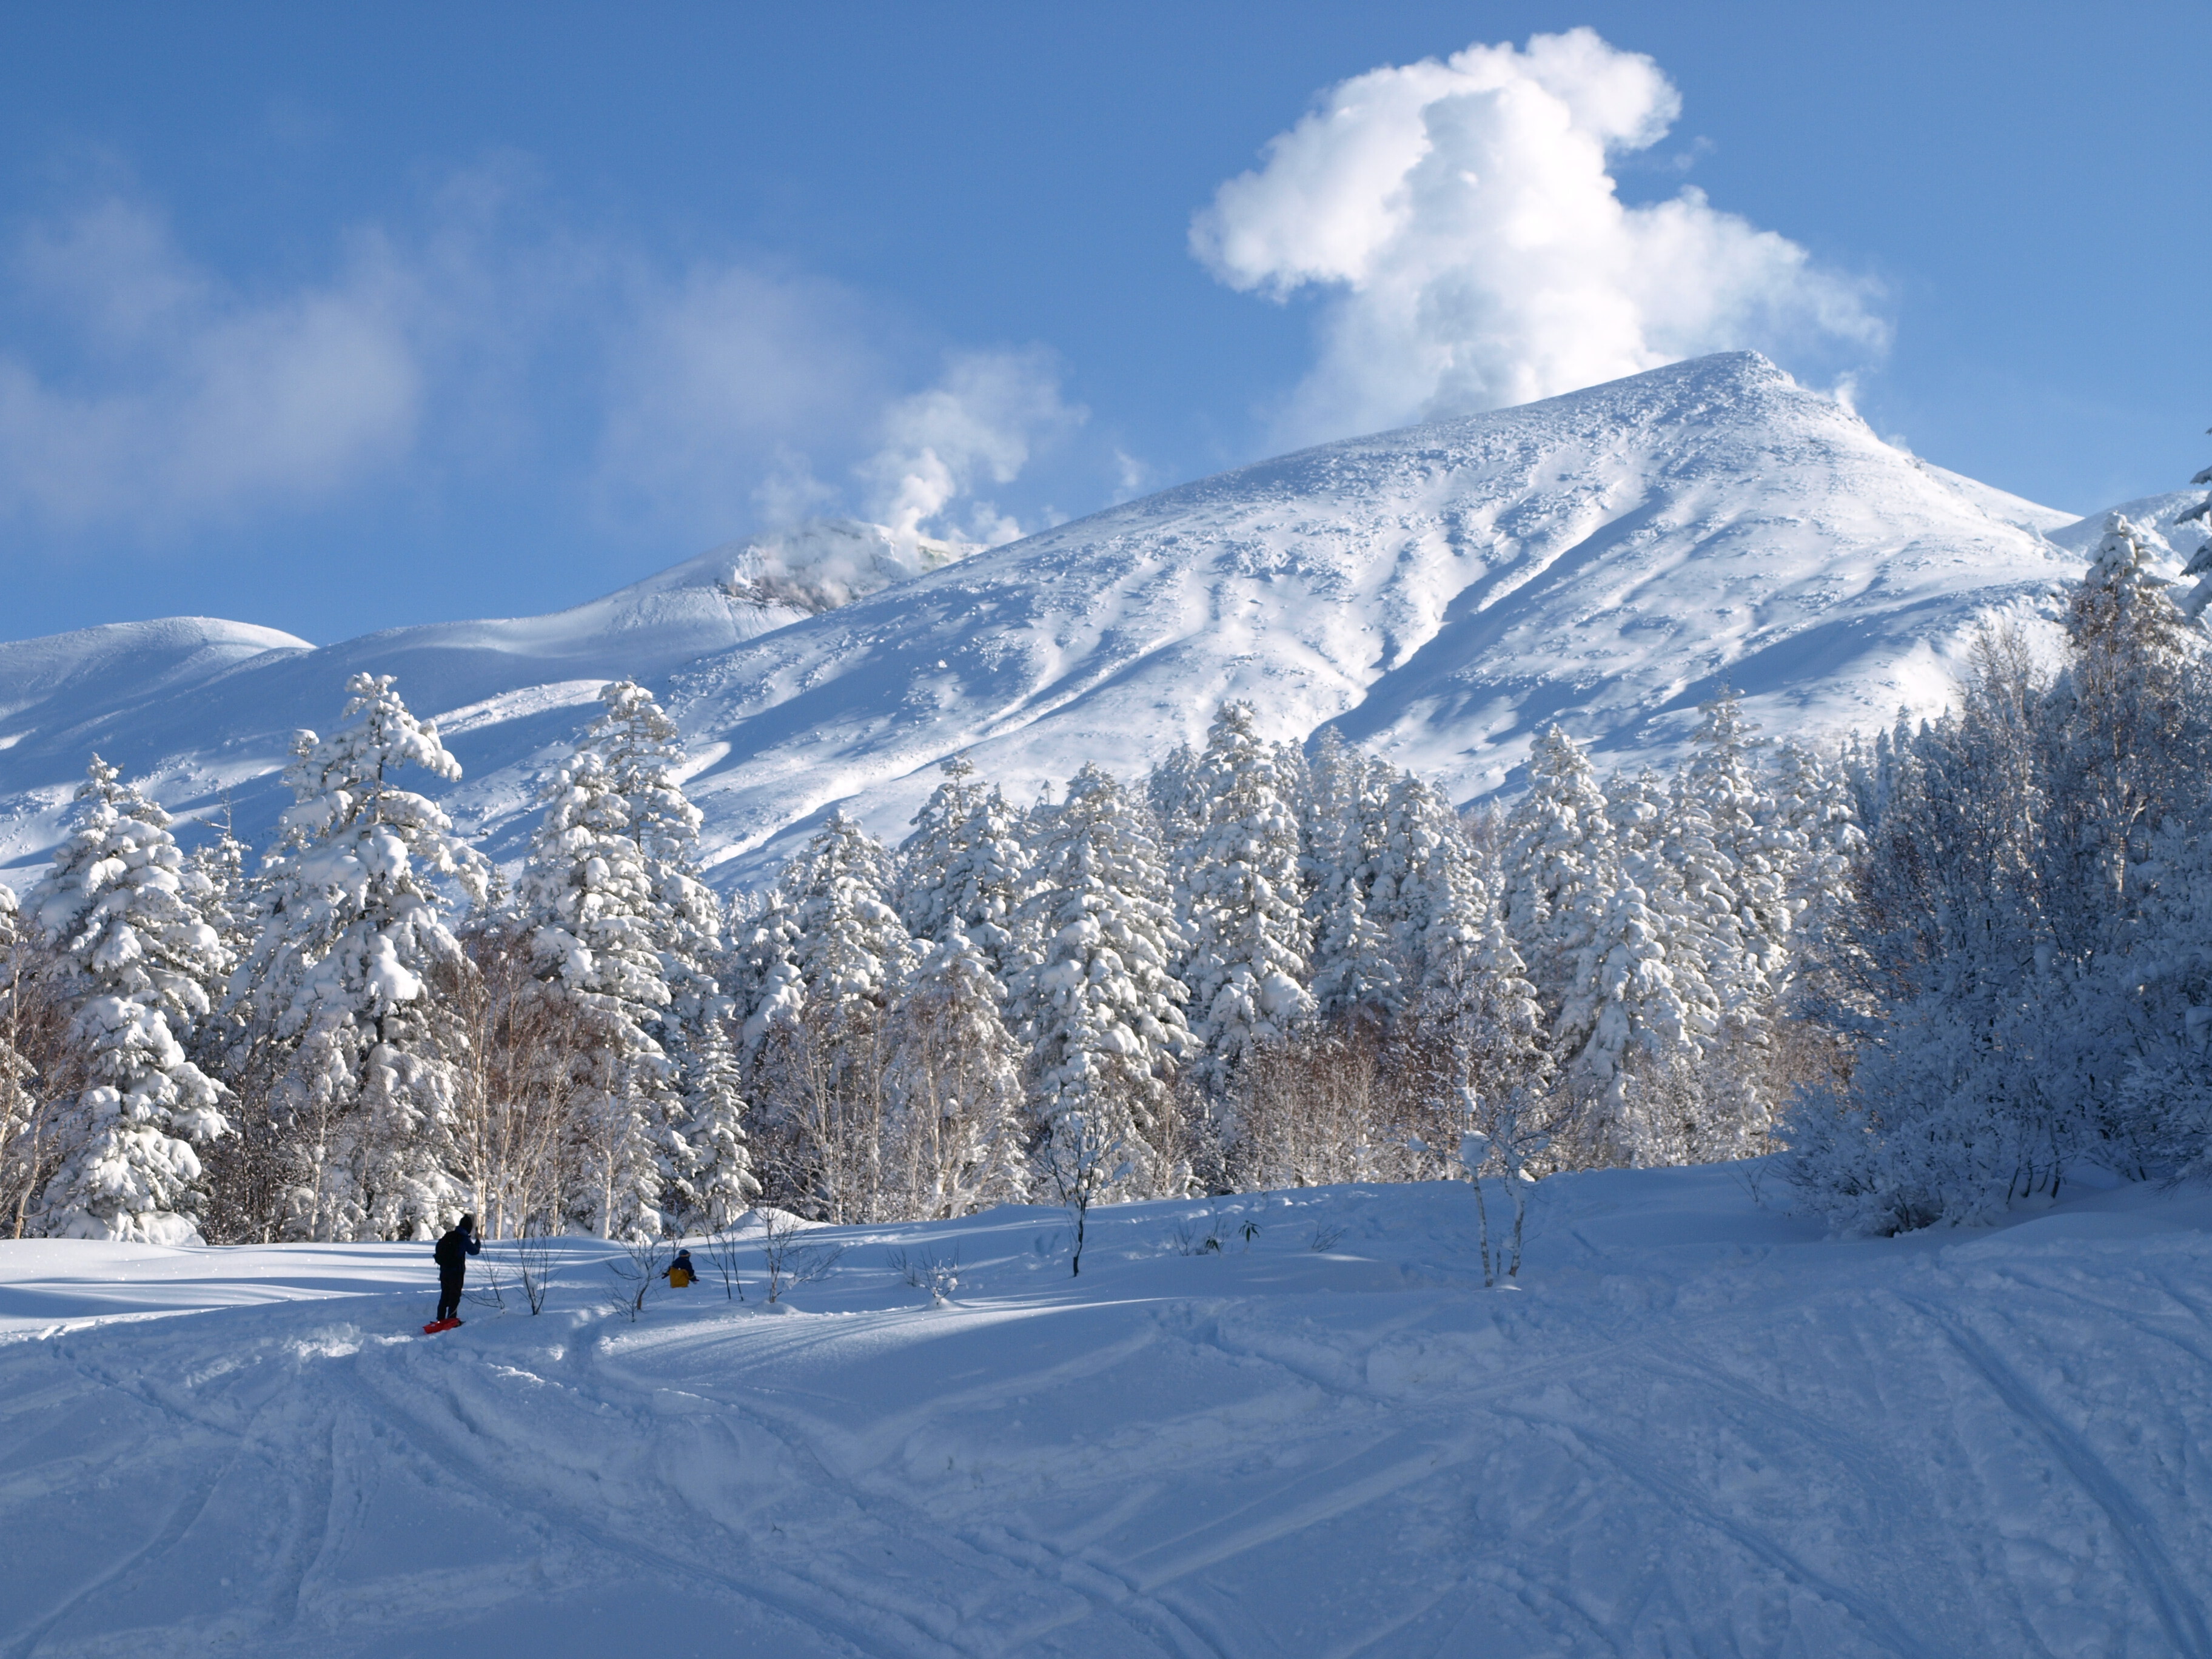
<point x="637" y="1273"/>
<point x="937" y="1274"/>
<point x="787" y="1261"/>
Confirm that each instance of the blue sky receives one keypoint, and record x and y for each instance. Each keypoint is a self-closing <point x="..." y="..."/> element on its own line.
<point x="335" y="319"/>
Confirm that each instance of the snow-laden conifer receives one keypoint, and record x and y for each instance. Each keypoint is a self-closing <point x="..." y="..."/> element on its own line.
<point x="1242" y="900"/>
<point x="768" y="988"/>
<point x="1558" y="862"/>
<point x="225" y="896"/>
<point x="1815" y="810"/>
<point x="2127" y="728"/>
<point x="1629" y="1000"/>
<point x="645" y="758"/>
<point x="1595" y="946"/>
<point x="126" y="917"/>
<point x="1559" y="868"/>
<point x="962" y="871"/>
<point x="1102" y="1011"/>
<point x="1356" y="970"/>
<point x="1177" y="796"/>
<point x="718" y="1183"/>
<point x="852" y="952"/>
<point x="353" y="932"/>
<point x="1428" y="895"/>
<point x="623" y="926"/>
<point x="824" y="1055"/>
<point x="1725" y="786"/>
<point x="596" y="929"/>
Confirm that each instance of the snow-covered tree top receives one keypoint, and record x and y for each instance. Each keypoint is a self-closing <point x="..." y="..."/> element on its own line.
<point x="344" y="778"/>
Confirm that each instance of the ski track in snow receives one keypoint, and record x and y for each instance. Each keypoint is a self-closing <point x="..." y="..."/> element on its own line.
<point x="1695" y="1427"/>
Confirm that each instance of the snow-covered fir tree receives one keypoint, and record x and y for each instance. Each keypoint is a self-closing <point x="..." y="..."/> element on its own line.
<point x="1595" y="944"/>
<point x="1429" y="895"/>
<point x="596" y="925"/>
<point x="1240" y="899"/>
<point x="226" y="900"/>
<point x="1815" y="812"/>
<point x="852" y="952"/>
<point x="128" y="919"/>
<point x="1745" y="902"/>
<point x="1631" y="998"/>
<point x="1560" y="864"/>
<point x="2127" y="732"/>
<point x="1102" y="1012"/>
<point x="1177" y="796"/>
<point x="767" y="985"/>
<point x="623" y="926"/>
<point x="644" y="753"/>
<point x="1357" y="973"/>
<point x="963" y="870"/>
<point x="720" y="1182"/>
<point x="353" y="932"/>
<point x="822" y="1064"/>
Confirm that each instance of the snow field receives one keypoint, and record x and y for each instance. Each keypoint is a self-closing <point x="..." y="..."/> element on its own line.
<point x="1696" y="1427"/>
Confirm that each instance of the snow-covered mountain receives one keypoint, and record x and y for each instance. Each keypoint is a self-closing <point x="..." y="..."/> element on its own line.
<point x="204" y="709"/>
<point x="1606" y="558"/>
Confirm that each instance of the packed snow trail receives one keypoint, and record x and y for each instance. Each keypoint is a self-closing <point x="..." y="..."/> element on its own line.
<point x="1695" y="1427"/>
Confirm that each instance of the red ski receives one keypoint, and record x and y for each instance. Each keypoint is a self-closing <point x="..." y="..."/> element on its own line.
<point x="437" y="1325"/>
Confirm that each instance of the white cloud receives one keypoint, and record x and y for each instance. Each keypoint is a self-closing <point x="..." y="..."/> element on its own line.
<point x="142" y="396"/>
<point x="721" y="385"/>
<point x="1131" y="475"/>
<point x="978" y="425"/>
<point x="1463" y="218"/>
<point x="193" y="401"/>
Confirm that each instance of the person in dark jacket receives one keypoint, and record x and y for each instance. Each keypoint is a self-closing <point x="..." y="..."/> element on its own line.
<point x="452" y="1256"/>
<point x="680" y="1272"/>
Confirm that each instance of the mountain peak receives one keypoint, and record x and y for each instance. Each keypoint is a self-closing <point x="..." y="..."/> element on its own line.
<point x="1606" y="558"/>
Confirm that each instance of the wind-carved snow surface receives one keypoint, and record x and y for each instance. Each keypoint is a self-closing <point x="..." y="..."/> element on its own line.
<point x="1695" y="1427"/>
<point x="1606" y="558"/>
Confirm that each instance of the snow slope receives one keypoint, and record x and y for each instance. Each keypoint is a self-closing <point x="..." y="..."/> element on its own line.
<point x="1695" y="1427"/>
<point x="2156" y="514"/>
<point x="1606" y="557"/>
<point x="205" y="710"/>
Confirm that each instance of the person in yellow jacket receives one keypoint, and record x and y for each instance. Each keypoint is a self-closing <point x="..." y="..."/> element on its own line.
<point x="679" y="1273"/>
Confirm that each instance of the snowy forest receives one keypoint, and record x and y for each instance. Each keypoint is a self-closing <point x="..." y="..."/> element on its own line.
<point x="1937" y="968"/>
